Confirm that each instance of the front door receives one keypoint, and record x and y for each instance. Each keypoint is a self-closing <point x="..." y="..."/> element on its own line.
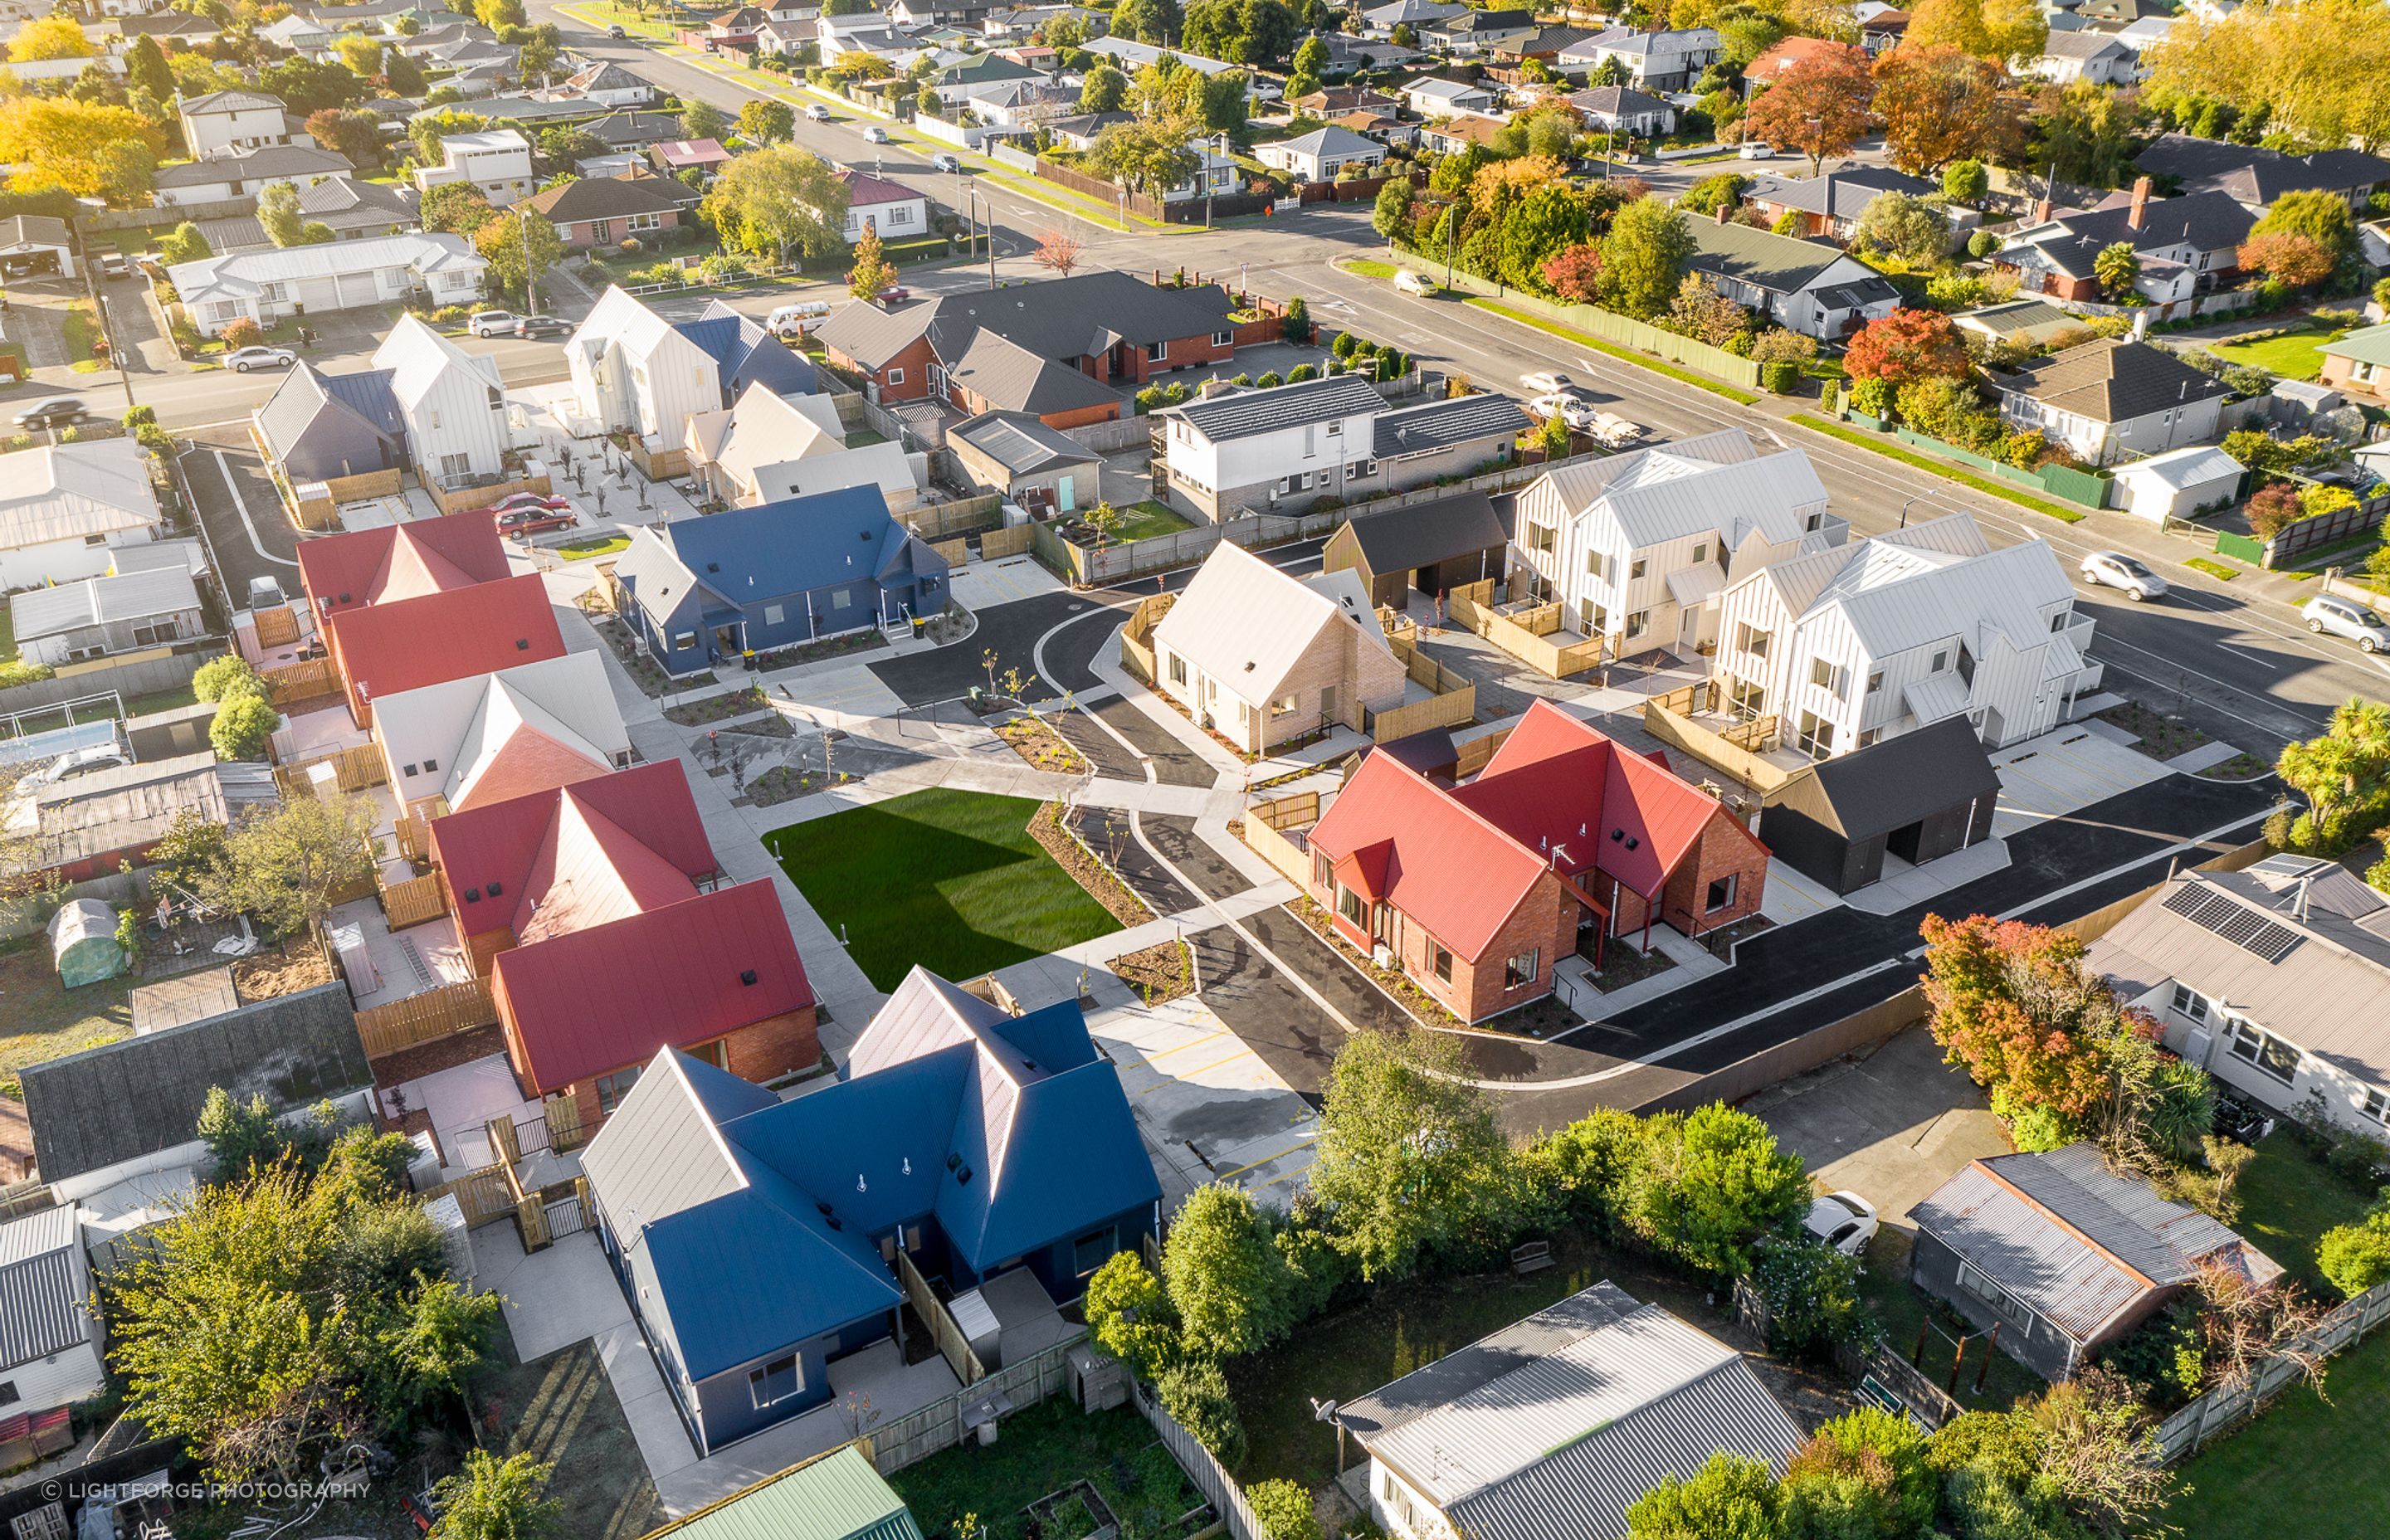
<point x="1066" y="495"/>
<point x="725" y="641"/>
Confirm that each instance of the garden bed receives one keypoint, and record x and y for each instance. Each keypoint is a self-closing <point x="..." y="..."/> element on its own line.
<point x="717" y="708"/>
<point x="1538" y="1018"/>
<point x="1087" y="870"/>
<point x="814" y="652"/>
<point x="1157" y="973"/>
<point x="1041" y="746"/>
<point x="1047" y="1457"/>
<point x="1621" y="965"/>
<point x="2154" y="734"/>
<point x="644" y="672"/>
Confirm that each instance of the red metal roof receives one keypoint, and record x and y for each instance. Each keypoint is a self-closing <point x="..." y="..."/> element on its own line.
<point x="1558" y="793"/>
<point x="455" y="633"/>
<point x="621" y="843"/>
<point x="596" y="1000"/>
<point x="528" y="761"/>
<point x="401" y="561"/>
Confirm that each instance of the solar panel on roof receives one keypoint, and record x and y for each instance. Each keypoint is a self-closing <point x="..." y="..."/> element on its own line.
<point x="2221" y="914"/>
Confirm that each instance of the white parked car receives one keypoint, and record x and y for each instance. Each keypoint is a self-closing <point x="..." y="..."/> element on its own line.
<point x="1757" y="149"/>
<point x="1573" y="410"/>
<point x="1547" y="382"/>
<point x="492" y="323"/>
<point x="2115" y="569"/>
<point x="1614" y="432"/>
<point x="1409" y="282"/>
<point x="2330" y="615"/>
<point x="242" y="360"/>
<point x="875" y="134"/>
<point x="817" y="112"/>
<point x="1842" y="1220"/>
<point x="797" y="319"/>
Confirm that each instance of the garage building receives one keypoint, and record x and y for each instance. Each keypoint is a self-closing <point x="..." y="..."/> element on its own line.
<point x="1431" y="547"/>
<point x="1915" y="797"/>
<point x="39" y="240"/>
<point x="2177" y="483"/>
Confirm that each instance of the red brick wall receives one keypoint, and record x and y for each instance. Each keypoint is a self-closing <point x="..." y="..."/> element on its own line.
<point x="915" y="361"/>
<point x="775" y="1047"/>
<point x="1724" y="848"/>
<point x="1545" y="919"/>
<point x="1082" y="416"/>
<point x="583" y="234"/>
<point x="1184" y="352"/>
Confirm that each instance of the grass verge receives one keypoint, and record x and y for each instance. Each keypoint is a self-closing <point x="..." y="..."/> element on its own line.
<point x="1585" y="340"/>
<point x="1044" y="1450"/>
<point x="582" y="550"/>
<point x="2216" y="570"/>
<point x="1868" y="441"/>
<point x="949" y="880"/>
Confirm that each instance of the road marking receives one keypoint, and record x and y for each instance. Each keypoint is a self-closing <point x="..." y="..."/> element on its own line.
<point x="223" y="467"/>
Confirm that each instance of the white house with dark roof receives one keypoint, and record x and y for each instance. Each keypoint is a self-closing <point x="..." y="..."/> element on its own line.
<point x="1828" y="206"/>
<point x="1624" y="110"/>
<point x="1663" y="60"/>
<point x="64" y="508"/>
<point x="1334" y="437"/>
<point x="1431" y="97"/>
<point x="221" y="122"/>
<point x="1805" y="286"/>
<point x="2255" y="177"/>
<point x="233" y="174"/>
<point x="1551" y="1428"/>
<point x="341" y="274"/>
<point x="49" y="1343"/>
<point x="2111" y="399"/>
<point x="609" y="85"/>
<point x="1853" y="643"/>
<point x="2100" y="58"/>
<point x="1637" y="548"/>
<point x="1380" y="22"/>
<point x="1319" y="154"/>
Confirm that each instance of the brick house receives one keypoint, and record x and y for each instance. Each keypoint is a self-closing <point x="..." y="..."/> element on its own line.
<point x="1067" y="351"/>
<point x="608" y="933"/>
<point x="1565" y="839"/>
<point x="603" y="211"/>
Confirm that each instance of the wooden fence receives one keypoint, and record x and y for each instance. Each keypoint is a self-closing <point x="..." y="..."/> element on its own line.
<point x="1894" y="1374"/>
<point x="1734" y="750"/>
<point x="415" y="901"/>
<point x="1136" y="637"/>
<point x="942" y="1329"/>
<point x="904" y="1441"/>
<point x="1011" y="541"/>
<point x="414" y="835"/>
<point x="1478" y="751"/>
<point x="1527" y="635"/>
<point x="953" y="553"/>
<point x="2226" y="1407"/>
<point x="1264" y="826"/>
<point x="294" y="684"/>
<point x="353" y="770"/>
<point x="455" y="499"/>
<point x="2321" y="533"/>
<point x="935" y="521"/>
<point x="276" y="626"/>
<point x="482" y="1195"/>
<point x="1452" y="708"/>
<point x="426" y="1018"/>
<point x="1211" y="1478"/>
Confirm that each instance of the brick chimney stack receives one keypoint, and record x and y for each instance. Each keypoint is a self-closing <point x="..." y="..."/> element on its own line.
<point x="2042" y="211"/>
<point x="1721" y="215"/>
<point x="2141" y="204"/>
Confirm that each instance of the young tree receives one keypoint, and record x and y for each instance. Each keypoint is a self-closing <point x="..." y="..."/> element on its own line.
<point x="1575" y="274"/>
<point x="1907" y="345"/>
<point x="1408" y="1151"/>
<point x="1723" y="190"/>
<point x="494" y="1499"/>
<point x="1150" y="155"/>
<point x="781" y="200"/>
<point x="1904" y="230"/>
<point x="872" y="273"/>
<point x="519" y="247"/>
<point x="284" y="866"/>
<point x="1392" y="212"/>
<point x="1704" y="1186"/>
<point x="702" y="120"/>
<point x="183" y="243"/>
<point x="146" y="69"/>
<point x="1103" y="89"/>
<point x="1226" y="1281"/>
<point x="242" y="727"/>
<point x="1058" y="252"/>
<point x="1963" y="181"/>
<point x="1130" y="1316"/>
<point x="762" y="122"/>
<point x="49" y="37"/>
<point x="278" y="213"/>
<point x="2116" y="265"/>
<point x="1643" y="258"/>
<point x="241" y="332"/>
<point x="1284" y="1508"/>
<point x="1728" y="1499"/>
<point x="2010" y="1003"/>
<point x="354" y="132"/>
<point x="1818" y="106"/>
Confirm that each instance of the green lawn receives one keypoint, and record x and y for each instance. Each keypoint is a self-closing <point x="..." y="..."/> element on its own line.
<point x="1587" y="340"/>
<point x="2296" y="355"/>
<point x="1043" y="1450"/>
<point x="1877" y="443"/>
<point x="2307" y="1467"/>
<point x="162" y="700"/>
<point x="1145" y="519"/>
<point x="947" y="879"/>
<point x="2288" y="1199"/>
<point x="1369" y="268"/>
<point x="604" y="545"/>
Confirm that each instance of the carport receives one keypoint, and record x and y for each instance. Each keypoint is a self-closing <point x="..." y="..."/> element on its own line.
<point x="38" y="240"/>
<point x="1913" y="798"/>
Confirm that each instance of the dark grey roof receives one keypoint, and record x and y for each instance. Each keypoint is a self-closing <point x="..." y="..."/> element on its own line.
<point x="1441" y="424"/>
<point x="34" y="230"/>
<point x="2084" y="46"/>
<point x="1470" y="22"/>
<point x="2112" y="380"/>
<point x="1012" y="378"/>
<point x="1840" y="194"/>
<point x="1242" y="414"/>
<point x="1021" y="443"/>
<point x="1780" y="264"/>
<point x="142" y="1094"/>
<point x="872" y="336"/>
<point x="1087" y="125"/>
<point x="2203" y="221"/>
<point x="310" y="409"/>
<point x="1080" y="315"/>
<point x="639" y="129"/>
<point x="262" y="164"/>
<point x="1430" y="752"/>
<point x="1897" y="781"/>
<point x="590" y="198"/>
<point x="42" y="1289"/>
<point x="1615" y="101"/>
<point x="2259" y="176"/>
<point x="1399" y="540"/>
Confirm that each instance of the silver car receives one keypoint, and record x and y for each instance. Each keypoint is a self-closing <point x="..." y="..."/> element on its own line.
<point x="2329" y="614"/>
<point x="2115" y="569"/>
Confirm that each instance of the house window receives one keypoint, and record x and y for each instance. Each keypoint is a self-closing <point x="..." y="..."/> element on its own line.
<point x="1335" y="430"/>
<point x="1871" y="738"/>
<point x="151" y="633"/>
<point x="1966" y="664"/>
<point x="1816" y="523"/>
<point x="2376" y="1106"/>
<point x="1597" y="565"/>
<point x="1521" y="970"/>
<point x="95" y="540"/>
<point x="2190" y="1003"/>
<point x="1941" y="659"/>
<point x="1825" y="676"/>
<point x="1350" y="906"/>
<point x="1817" y="738"/>
<point x="1224" y="338"/>
<point x="2268" y="1052"/>
<point x="1875" y="681"/>
<point x="1091" y="1252"/>
<point x="613" y="1088"/>
<point x="1323" y="870"/>
<point x="1975" y="1281"/>
<point x="895" y="377"/>
<point x="716" y="1053"/>
<point x="1638" y="622"/>
<point x="1283" y="706"/>
<point x="1440" y="962"/>
<point x="2058" y="622"/>
<point x="1751" y="640"/>
<point x="1701" y="552"/>
<point x="1721" y="893"/>
<point x="1746" y="699"/>
<point x="1156" y="351"/>
<point x="1295" y="482"/>
<point x="601" y="230"/>
<point x="774" y="614"/>
<point x="1359" y="468"/>
<point x="7" y="1393"/>
<point x="1636" y="570"/>
<point x="840" y="599"/>
<point x="1177" y="669"/>
<point x="774" y="1382"/>
<point x="1539" y="537"/>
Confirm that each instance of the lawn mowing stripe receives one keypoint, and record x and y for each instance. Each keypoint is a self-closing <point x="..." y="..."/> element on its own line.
<point x="1939" y="468"/>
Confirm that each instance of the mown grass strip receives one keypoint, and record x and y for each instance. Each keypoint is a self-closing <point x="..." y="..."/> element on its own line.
<point x="2213" y="569"/>
<point x="1587" y="340"/>
<point x="1950" y="473"/>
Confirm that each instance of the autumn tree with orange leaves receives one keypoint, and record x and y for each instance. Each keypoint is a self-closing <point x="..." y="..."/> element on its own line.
<point x="2012" y="1005"/>
<point x="1818" y="106"/>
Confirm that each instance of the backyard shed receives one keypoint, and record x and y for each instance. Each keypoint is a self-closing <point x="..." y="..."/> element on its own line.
<point x="1017" y="455"/>
<point x="83" y="942"/>
<point x="2177" y="483"/>
<point x="1915" y="797"/>
<point x="1431" y="547"/>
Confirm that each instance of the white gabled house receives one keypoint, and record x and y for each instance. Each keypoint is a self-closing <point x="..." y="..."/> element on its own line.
<point x="1638" y="547"/>
<point x="765" y="448"/>
<point x="1806" y="286"/>
<point x="65" y="509"/>
<point x="1432" y="97"/>
<point x="489" y="736"/>
<point x="341" y="274"/>
<point x="495" y="160"/>
<point x="1858" y="643"/>
<point x="453" y="402"/>
<point x="875" y="202"/>
<point x="632" y="370"/>
<point x="223" y="122"/>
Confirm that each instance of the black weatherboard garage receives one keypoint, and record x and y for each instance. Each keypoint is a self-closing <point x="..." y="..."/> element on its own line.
<point x="1921" y="795"/>
<point x="1433" y="547"/>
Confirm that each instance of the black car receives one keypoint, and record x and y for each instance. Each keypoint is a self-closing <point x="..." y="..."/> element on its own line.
<point x="57" y="412"/>
<point x="540" y="326"/>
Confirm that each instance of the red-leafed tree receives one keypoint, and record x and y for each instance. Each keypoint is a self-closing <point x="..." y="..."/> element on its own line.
<point x="1059" y="250"/>
<point x="1907" y="345"/>
<point x="2012" y="1005"/>
<point x="1944" y="104"/>
<point x="1575" y="273"/>
<point x="2288" y="257"/>
<point x="1818" y="106"/>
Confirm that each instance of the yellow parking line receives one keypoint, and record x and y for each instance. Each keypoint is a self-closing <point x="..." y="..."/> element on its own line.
<point x="1184" y="1046"/>
<point x="1228" y="1175"/>
<point x="1182" y="1074"/>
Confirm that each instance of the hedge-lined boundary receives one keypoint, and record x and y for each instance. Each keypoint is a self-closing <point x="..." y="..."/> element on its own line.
<point x="1587" y="340"/>
<point x="1939" y="468"/>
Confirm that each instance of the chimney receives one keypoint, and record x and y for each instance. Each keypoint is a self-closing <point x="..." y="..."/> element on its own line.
<point x="1721" y="215"/>
<point x="2042" y="211"/>
<point x="2141" y="204"/>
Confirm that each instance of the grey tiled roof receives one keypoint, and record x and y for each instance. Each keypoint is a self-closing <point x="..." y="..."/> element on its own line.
<point x="1242" y="414"/>
<point x="1441" y="424"/>
<point x="2112" y="380"/>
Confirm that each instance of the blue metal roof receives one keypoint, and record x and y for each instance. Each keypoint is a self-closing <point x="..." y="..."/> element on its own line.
<point x="368" y="394"/>
<point x="749" y="555"/>
<point x="745" y="354"/>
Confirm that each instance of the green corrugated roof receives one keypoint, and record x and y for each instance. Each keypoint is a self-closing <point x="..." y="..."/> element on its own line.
<point x="2369" y="345"/>
<point x="838" y="1496"/>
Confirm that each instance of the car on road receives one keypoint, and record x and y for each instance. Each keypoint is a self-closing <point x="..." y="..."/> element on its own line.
<point x="1842" y="1220"/>
<point x="617" y="30"/>
<point x="944" y="161"/>
<point x="1569" y="407"/>
<point x="57" y="412"/>
<point x="875" y="134"/>
<point x="1757" y="149"/>
<point x="2117" y="570"/>
<point x="491" y="323"/>
<point x="817" y="112"/>
<point x="540" y="325"/>
<point x="1547" y="383"/>
<point x="796" y="320"/>
<point x="1409" y="282"/>
<point x="2327" y="614"/>
<point x="515" y="523"/>
<point x="265" y="592"/>
<point x="242" y="360"/>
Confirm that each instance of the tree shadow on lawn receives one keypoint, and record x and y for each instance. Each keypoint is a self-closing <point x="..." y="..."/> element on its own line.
<point x="931" y="878"/>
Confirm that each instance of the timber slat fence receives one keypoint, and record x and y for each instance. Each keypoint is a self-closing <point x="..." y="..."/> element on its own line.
<point x="426" y="1018"/>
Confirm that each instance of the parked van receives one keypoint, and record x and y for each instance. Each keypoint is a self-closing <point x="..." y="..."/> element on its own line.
<point x="797" y="319"/>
